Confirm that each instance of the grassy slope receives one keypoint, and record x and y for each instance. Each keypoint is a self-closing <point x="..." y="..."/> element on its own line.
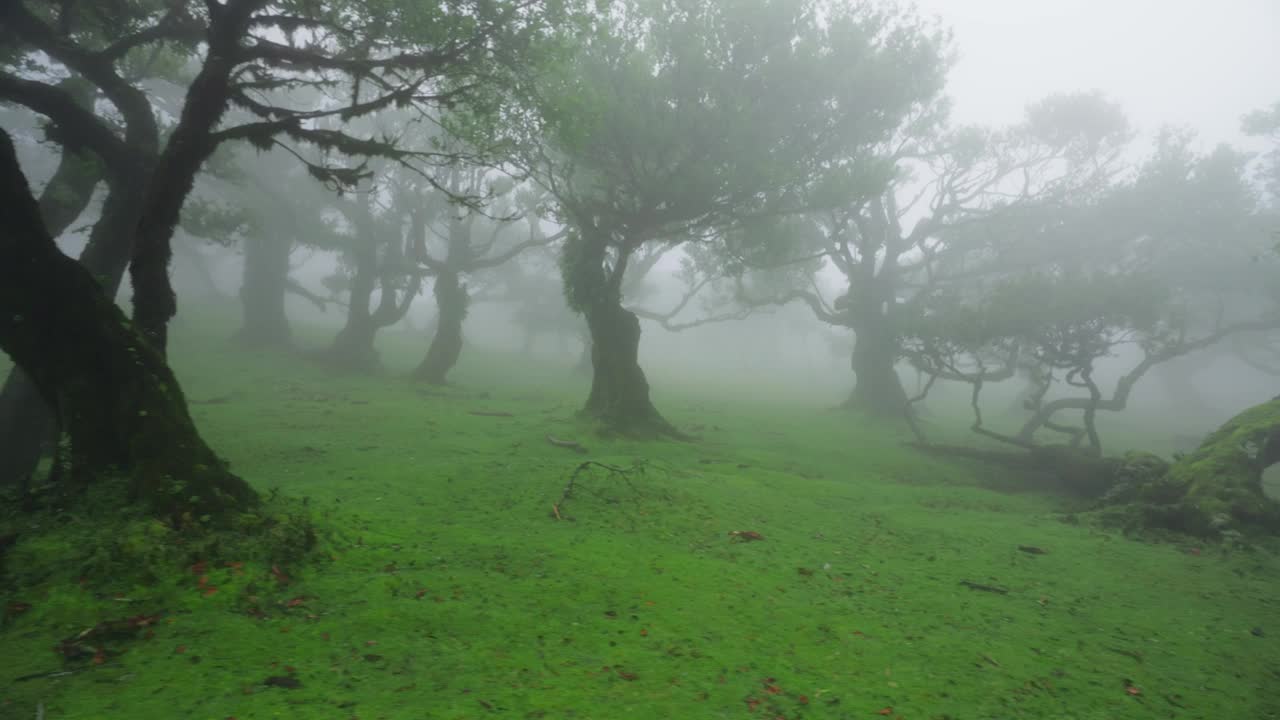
<point x="452" y="592"/>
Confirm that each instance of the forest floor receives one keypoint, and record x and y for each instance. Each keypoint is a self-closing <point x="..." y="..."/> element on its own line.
<point x="886" y="584"/>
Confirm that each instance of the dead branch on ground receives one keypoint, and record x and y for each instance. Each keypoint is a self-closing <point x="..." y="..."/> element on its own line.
<point x="614" y="472"/>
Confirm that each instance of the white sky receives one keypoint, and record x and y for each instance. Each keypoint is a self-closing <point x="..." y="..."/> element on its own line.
<point x="1200" y="63"/>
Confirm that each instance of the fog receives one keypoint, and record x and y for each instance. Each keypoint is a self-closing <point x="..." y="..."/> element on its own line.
<point x="1164" y="65"/>
<point x="639" y="359"/>
<point x="1166" y="62"/>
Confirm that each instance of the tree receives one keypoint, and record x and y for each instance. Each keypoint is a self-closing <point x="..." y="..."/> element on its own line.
<point x="118" y="149"/>
<point x="470" y="247"/>
<point x="887" y="244"/>
<point x="378" y="256"/>
<point x="121" y="406"/>
<point x="258" y="56"/>
<point x="531" y="289"/>
<point x="271" y="225"/>
<point x="671" y="120"/>
<point x="1162" y="264"/>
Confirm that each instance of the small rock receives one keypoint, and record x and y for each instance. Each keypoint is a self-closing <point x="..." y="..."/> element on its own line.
<point x="1257" y="632"/>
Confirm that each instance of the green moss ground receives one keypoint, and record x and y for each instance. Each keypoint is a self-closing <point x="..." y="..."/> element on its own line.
<point x="445" y="587"/>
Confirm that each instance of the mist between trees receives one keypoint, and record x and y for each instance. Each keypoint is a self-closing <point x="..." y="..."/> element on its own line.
<point x="774" y="192"/>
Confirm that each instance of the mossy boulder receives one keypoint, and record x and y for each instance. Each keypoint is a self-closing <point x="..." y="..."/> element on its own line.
<point x="1215" y="492"/>
<point x="1221" y="482"/>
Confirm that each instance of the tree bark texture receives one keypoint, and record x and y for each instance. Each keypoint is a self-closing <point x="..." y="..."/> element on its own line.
<point x="190" y="144"/>
<point x="118" y="401"/>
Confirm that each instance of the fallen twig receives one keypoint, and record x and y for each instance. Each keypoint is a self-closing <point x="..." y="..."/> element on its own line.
<point x="490" y="413"/>
<point x="567" y="444"/>
<point x="614" y="471"/>
<point x="44" y="675"/>
<point x="984" y="588"/>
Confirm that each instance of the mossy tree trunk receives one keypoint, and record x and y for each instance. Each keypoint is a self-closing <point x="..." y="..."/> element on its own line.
<point x="192" y="141"/>
<point x="1215" y="491"/>
<point x="115" y="397"/>
<point x="93" y="151"/>
<point x="27" y="424"/>
<point x="1220" y="484"/>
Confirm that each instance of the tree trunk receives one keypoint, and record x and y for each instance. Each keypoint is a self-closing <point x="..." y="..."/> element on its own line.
<point x="583" y="365"/>
<point x="353" y="349"/>
<point x="27" y="429"/>
<point x="27" y="424"/>
<point x="116" y="398"/>
<point x="619" y="396"/>
<point x="619" y="391"/>
<point x="70" y="189"/>
<point x="266" y="275"/>
<point x="190" y="144"/>
<point x="446" y="343"/>
<point x="877" y="386"/>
